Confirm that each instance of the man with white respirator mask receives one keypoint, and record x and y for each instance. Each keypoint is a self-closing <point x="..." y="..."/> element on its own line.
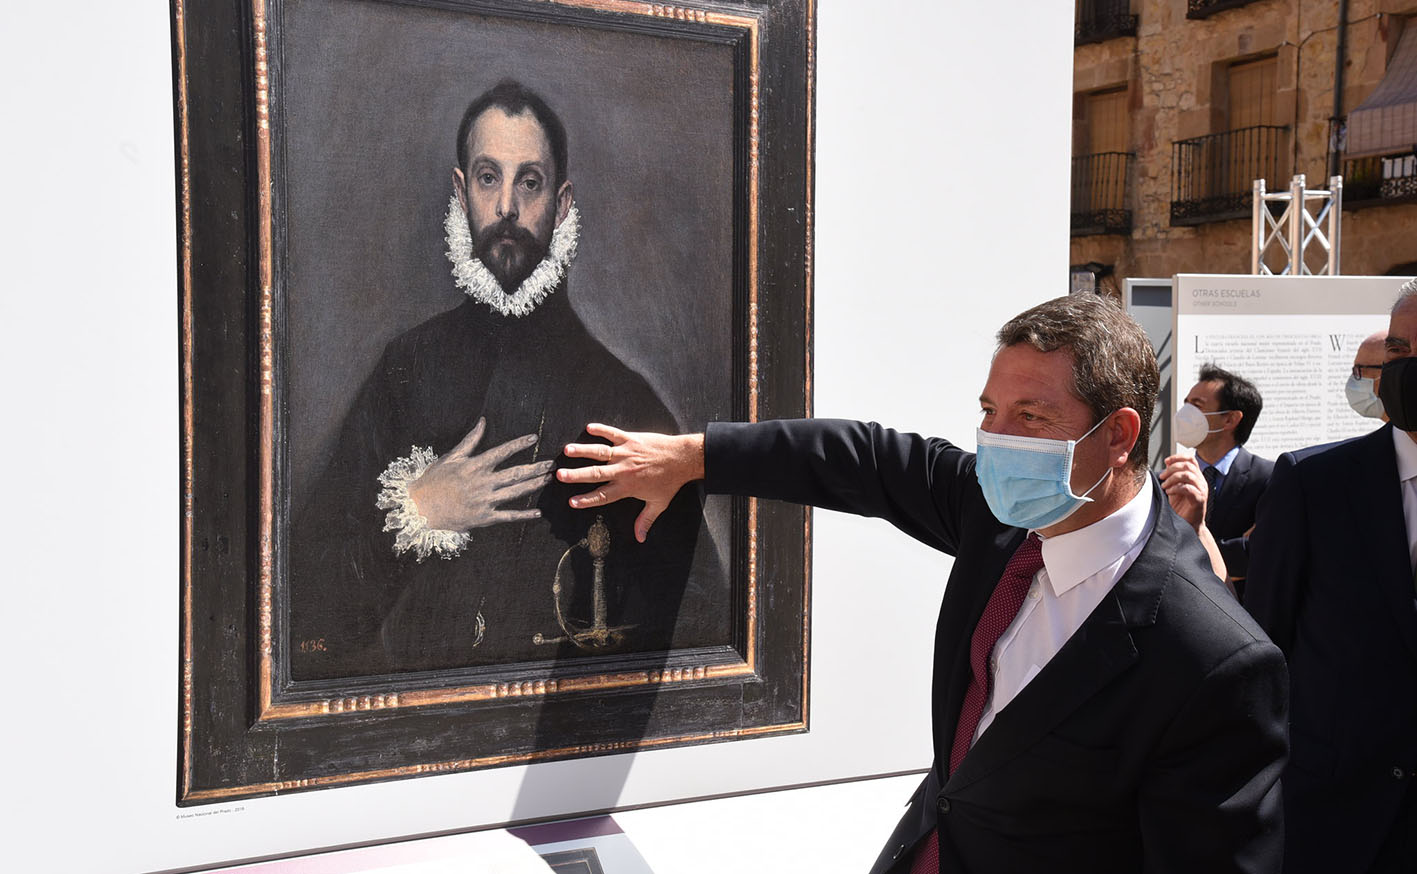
<point x="1217" y="418"/>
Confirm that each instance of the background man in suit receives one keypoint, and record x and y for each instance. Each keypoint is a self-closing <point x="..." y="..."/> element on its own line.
<point x="1362" y="386"/>
<point x="1331" y="581"/>
<point x="1100" y="702"/>
<point x="1237" y="477"/>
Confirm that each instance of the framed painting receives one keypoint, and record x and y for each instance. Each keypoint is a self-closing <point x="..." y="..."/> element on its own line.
<point x="423" y="244"/>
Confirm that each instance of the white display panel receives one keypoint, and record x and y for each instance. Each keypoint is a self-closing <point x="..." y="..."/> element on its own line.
<point x="1294" y="337"/>
<point x="918" y="183"/>
<point x="1149" y="302"/>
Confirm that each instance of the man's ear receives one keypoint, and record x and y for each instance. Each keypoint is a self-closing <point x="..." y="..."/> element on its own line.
<point x="563" y="201"/>
<point x="460" y="187"/>
<point x="1233" y="420"/>
<point x="1123" y="433"/>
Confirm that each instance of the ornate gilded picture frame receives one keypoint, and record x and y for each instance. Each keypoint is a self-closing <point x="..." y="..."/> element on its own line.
<point x="422" y="244"/>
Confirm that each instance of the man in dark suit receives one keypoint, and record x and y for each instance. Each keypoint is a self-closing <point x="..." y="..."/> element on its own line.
<point x="1331" y="582"/>
<point x="1100" y="702"/>
<point x="1236" y="476"/>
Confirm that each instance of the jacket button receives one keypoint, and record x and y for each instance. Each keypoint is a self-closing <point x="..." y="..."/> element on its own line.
<point x="1398" y="773"/>
<point x="943" y="805"/>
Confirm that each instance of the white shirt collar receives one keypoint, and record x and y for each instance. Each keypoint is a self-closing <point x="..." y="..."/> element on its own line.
<point x="1073" y="557"/>
<point x="1406" y="455"/>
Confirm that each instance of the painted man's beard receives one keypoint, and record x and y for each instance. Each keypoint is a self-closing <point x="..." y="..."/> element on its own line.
<point x="495" y="289"/>
<point x="510" y="251"/>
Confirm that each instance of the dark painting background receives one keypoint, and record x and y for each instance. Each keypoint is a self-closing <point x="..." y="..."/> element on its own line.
<point x="369" y="98"/>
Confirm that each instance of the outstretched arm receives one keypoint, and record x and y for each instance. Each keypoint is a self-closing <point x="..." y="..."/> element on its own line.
<point x="650" y="467"/>
<point x="917" y="484"/>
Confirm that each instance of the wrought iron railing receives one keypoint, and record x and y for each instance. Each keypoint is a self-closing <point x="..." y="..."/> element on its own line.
<point x="1100" y="202"/>
<point x="1099" y="20"/>
<point x="1380" y="179"/>
<point x="1207" y="8"/>
<point x="1212" y="177"/>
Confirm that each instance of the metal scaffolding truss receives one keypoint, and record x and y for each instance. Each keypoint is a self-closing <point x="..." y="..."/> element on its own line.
<point x="1308" y="216"/>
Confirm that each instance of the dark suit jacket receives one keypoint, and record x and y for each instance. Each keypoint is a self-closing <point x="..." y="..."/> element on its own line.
<point x="1331" y="581"/>
<point x="1232" y="512"/>
<point x="1153" y="741"/>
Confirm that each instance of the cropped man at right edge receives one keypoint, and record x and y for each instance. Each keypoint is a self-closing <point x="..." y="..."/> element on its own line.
<point x="1331" y="581"/>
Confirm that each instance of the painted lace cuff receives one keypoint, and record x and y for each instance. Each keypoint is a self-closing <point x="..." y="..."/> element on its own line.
<point x="411" y="528"/>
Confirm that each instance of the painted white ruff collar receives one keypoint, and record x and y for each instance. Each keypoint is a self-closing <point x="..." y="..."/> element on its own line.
<point x="478" y="283"/>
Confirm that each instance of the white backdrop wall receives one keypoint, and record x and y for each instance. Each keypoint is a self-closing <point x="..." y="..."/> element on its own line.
<point x="939" y="124"/>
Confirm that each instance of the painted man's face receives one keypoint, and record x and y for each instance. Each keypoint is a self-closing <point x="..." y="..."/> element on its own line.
<point x="509" y="195"/>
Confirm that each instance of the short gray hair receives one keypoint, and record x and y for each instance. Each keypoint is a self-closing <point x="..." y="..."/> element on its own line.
<point x="1407" y="292"/>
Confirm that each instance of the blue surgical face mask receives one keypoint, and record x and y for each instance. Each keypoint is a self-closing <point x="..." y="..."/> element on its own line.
<point x="1027" y="480"/>
<point x="1362" y="398"/>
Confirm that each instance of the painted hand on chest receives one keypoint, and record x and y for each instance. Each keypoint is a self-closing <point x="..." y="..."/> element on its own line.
<point x="465" y="489"/>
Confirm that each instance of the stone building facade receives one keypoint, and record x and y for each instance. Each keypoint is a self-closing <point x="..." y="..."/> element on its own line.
<point x="1178" y="103"/>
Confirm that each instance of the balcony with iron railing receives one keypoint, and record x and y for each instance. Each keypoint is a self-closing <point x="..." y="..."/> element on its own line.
<point x="1212" y="177"/>
<point x="1099" y="20"/>
<point x="1380" y="180"/>
<point x="1099" y="203"/>
<point x="1207" y="8"/>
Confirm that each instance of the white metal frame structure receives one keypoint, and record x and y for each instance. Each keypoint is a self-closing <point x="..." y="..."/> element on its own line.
<point x="1296" y="227"/>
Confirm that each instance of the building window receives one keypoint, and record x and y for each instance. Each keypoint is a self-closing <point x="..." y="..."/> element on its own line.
<point x="1380" y="180"/>
<point x="1250" y="92"/>
<point x="1213" y="176"/>
<point x="1207" y="8"/>
<point x="1098" y="20"/>
<point x="1101" y="174"/>
<point x="1377" y="140"/>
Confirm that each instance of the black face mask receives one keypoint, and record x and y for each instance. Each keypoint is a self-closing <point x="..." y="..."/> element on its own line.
<point x="1398" y="392"/>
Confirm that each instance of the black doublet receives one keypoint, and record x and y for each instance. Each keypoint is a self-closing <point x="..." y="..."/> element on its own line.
<point x="362" y="610"/>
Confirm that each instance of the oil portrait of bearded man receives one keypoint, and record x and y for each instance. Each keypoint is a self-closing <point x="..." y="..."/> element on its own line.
<point x="432" y="535"/>
<point x="424" y="247"/>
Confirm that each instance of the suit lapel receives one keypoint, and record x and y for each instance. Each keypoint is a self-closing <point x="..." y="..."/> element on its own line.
<point x="1218" y="513"/>
<point x="1100" y="650"/>
<point x="1376" y="500"/>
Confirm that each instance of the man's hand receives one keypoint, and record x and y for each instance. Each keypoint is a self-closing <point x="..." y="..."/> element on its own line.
<point x="651" y="467"/>
<point x="1185" y="488"/>
<point x="461" y="491"/>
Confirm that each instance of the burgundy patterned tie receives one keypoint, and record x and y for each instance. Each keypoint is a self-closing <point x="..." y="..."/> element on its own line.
<point x="999" y="614"/>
